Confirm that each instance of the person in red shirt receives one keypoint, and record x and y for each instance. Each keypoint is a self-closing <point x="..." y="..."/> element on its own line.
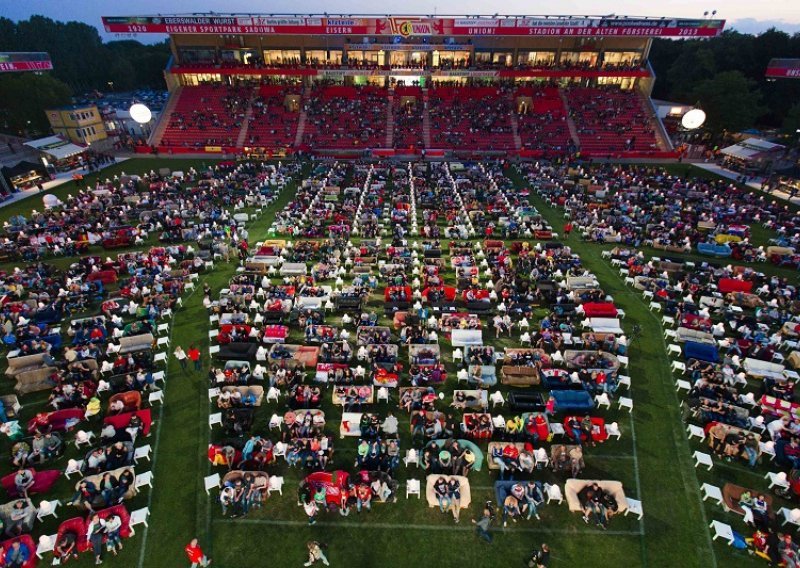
<point x="194" y="355"/>
<point x="195" y="554"/>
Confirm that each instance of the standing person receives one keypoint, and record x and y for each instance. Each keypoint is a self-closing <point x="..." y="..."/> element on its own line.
<point x="315" y="553"/>
<point x="482" y="525"/>
<point x="540" y="558"/>
<point x="94" y="536"/>
<point x="195" y="554"/>
<point x="180" y="355"/>
<point x="194" y="355"/>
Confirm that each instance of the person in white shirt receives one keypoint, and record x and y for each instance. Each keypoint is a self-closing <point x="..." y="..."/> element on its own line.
<point x="775" y="427"/>
<point x="180" y="355"/>
<point x="113" y="537"/>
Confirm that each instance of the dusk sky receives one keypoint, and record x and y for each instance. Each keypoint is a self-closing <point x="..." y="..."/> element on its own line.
<point x="746" y="16"/>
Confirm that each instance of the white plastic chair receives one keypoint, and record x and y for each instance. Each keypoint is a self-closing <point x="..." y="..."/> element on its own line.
<point x="496" y="398"/>
<point x="46" y="544"/>
<point x="83" y="438"/>
<point x="47" y="508"/>
<point x="383" y="394"/>
<point x="73" y="467"/>
<point x="138" y="517"/>
<point x="211" y="482"/>
<point x="144" y="479"/>
<point x="413" y="487"/>
<point x="142" y="453"/>
<point x="635" y="507"/>
<point x="602" y="400"/>
<point x="554" y="493"/>
<point x="275" y="484"/>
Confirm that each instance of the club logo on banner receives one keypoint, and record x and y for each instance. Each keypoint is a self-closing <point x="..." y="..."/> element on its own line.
<point x="407" y="27"/>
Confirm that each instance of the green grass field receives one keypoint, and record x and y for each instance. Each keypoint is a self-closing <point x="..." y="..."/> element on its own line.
<point x="652" y="459"/>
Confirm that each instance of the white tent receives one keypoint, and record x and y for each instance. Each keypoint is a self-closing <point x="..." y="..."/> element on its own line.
<point x="751" y="149"/>
<point x="55" y="147"/>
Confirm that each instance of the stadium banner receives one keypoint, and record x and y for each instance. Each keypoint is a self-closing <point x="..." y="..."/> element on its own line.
<point x="783" y="73"/>
<point x="26" y="65"/>
<point x="427" y="47"/>
<point x="783" y="69"/>
<point x="414" y="26"/>
<point x="25" y="61"/>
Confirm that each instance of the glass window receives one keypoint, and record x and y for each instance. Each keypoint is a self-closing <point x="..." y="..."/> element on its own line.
<point x="536" y="58"/>
<point x="580" y="58"/>
<point x="197" y="56"/>
<point x="622" y="58"/>
<point x="451" y="58"/>
<point x="502" y="58"/>
<point x="483" y="57"/>
<point x="364" y="57"/>
<point x="282" y="56"/>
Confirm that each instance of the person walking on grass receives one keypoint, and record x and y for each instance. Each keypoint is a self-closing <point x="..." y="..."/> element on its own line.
<point x="194" y="355"/>
<point x="540" y="558"/>
<point x="196" y="555"/>
<point x="482" y="526"/>
<point x="315" y="552"/>
<point x="180" y="355"/>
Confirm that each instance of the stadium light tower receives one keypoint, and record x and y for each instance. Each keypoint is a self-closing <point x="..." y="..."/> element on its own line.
<point x="693" y="119"/>
<point x="141" y="115"/>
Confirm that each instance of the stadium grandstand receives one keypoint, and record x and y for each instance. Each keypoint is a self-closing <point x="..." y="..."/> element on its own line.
<point x="411" y="85"/>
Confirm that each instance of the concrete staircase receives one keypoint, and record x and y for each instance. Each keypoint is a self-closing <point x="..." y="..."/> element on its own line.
<point x="515" y="126"/>
<point x="301" y="127"/>
<point x="242" y="138"/>
<point x="426" y="120"/>
<point x="662" y="138"/>
<point x="157" y="133"/>
<point x="390" y="121"/>
<point x="573" y="131"/>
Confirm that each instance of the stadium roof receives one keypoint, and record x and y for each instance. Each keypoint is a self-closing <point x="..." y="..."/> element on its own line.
<point x="407" y="25"/>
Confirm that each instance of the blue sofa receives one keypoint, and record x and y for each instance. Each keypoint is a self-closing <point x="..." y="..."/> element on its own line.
<point x="713" y="249"/>
<point x="700" y="351"/>
<point x="572" y="400"/>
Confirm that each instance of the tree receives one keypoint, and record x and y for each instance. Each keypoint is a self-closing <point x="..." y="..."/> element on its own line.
<point x="689" y="68"/>
<point x="730" y="101"/>
<point x="23" y="98"/>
